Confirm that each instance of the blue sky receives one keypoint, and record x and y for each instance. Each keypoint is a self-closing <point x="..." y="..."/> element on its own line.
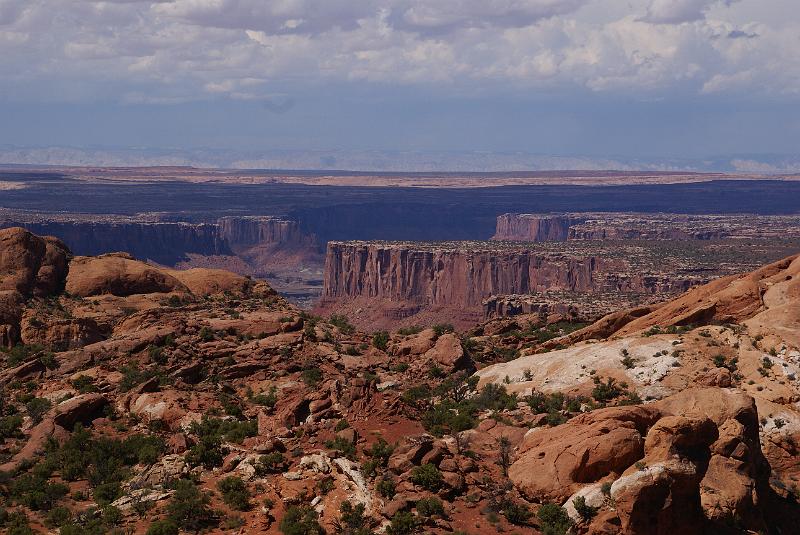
<point x="630" y="78"/>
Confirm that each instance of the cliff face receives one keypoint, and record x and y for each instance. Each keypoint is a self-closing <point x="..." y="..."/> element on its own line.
<point x="464" y="278"/>
<point x="166" y="243"/>
<point x="523" y="227"/>
<point x="169" y="242"/>
<point x="246" y="232"/>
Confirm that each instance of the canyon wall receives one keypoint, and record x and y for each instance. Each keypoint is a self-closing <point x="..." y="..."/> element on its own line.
<point x="170" y="242"/>
<point x="464" y="275"/>
<point x="252" y="231"/>
<point x="165" y="243"/>
<point x="524" y="227"/>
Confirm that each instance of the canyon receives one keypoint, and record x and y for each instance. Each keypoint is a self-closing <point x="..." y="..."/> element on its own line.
<point x="462" y="280"/>
<point x="148" y="400"/>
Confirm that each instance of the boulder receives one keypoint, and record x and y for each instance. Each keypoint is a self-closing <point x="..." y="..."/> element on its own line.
<point x="83" y="408"/>
<point x="554" y="462"/>
<point x="448" y="354"/>
<point x="118" y="274"/>
<point x="31" y="265"/>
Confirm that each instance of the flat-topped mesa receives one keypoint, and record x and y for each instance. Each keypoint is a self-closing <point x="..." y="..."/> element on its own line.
<point x="641" y="226"/>
<point x="529" y="227"/>
<point x="242" y="232"/>
<point x="367" y="280"/>
<point x="463" y="274"/>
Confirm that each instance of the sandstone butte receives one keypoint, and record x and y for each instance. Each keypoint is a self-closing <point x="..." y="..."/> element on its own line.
<point x="138" y="399"/>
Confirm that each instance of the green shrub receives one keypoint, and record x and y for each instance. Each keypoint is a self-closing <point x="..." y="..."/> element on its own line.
<point x="132" y="375"/>
<point x="429" y="507"/>
<point x="352" y="520"/>
<point x="442" y="328"/>
<point x="206" y="334"/>
<point x="403" y="523"/>
<point x="606" y="391"/>
<point x="84" y="384"/>
<point x="380" y="452"/>
<point x="386" y="487"/>
<point x="58" y="516"/>
<point x="105" y="493"/>
<point x="189" y="506"/>
<point x="381" y="340"/>
<point x="342" y="446"/>
<point x="267" y="400"/>
<point x="10" y="427"/>
<point x="311" y="376"/>
<point x="34" y="491"/>
<point x="342" y="323"/>
<point x="16" y="523"/>
<point x="234" y="493"/>
<point x="301" y="520"/>
<point x="407" y="331"/>
<point x="163" y="527"/>
<point x="271" y="463"/>
<point x="427" y="476"/>
<point x="517" y="513"/>
<point x="341" y="425"/>
<point x="553" y="519"/>
<point x="37" y="408"/>
<point x="586" y="512"/>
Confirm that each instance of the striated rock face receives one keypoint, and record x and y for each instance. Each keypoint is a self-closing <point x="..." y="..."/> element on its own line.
<point x="445" y="277"/>
<point x="169" y="242"/>
<point x="245" y="232"/>
<point x="466" y="274"/>
<point x="162" y="242"/>
<point x="525" y="227"/>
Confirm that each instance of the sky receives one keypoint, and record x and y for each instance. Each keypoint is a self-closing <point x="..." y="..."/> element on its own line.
<point x="629" y="78"/>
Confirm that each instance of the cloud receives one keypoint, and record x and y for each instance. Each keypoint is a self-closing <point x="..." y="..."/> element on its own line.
<point x="183" y="50"/>
<point x="679" y="11"/>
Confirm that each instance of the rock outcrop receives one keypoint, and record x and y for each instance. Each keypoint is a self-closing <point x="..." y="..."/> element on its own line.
<point x="526" y="227"/>
<point x="117" y="274"/>
<point x="463" y="274"/>
<point x="614" y="226"/>
<point x="30" y="266"/>
<point x="171" y="242"/>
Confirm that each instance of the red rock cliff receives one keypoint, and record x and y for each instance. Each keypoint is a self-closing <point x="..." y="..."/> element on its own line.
<point x="251" y="231"/>
<point x="465" y="274"/>
<point x="526" y="227"/>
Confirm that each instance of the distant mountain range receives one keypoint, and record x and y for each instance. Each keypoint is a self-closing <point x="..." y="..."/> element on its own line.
<point x="389" y="161"/>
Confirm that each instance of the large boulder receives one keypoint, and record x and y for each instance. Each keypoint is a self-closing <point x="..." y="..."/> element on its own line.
<point x="701" y="467"/>
<point x="83" y="408"/>
<point x="555" y="462"/>
<point x="118" y="274"/>
<point x="448" y="355"/>
<point x="202" y="281"/>
<point x="31" y="265"/>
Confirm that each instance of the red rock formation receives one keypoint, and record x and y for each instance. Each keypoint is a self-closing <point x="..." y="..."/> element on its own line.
<point x="466" y="274"/>
<point x="245" y="232"/>
<point x="526" y="227"/>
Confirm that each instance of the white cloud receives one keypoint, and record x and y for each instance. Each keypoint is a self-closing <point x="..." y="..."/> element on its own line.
<point x="189" y="49"/>
<point x="678" y="11"/>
